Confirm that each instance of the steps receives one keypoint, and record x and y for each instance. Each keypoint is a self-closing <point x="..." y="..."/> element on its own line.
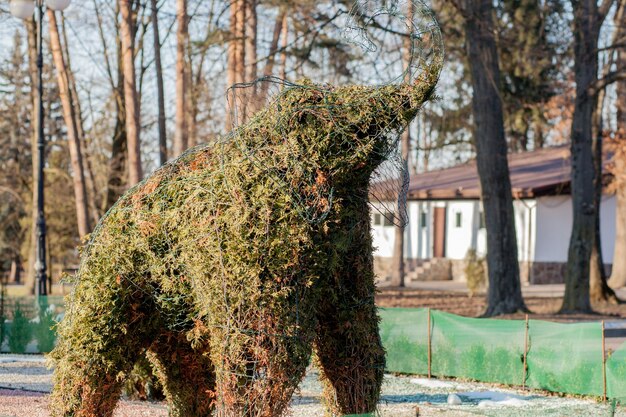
<point x="435" y="269"/>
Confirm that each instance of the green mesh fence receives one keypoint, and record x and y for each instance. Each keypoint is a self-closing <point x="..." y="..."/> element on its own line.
<point x="616" y="374"/>
<point x="484" y="350"/>
<point x="404" y="335"/>
<point x="27" y="323"/>
<point x="565" y="357"/>
<point x="561" y="357"/>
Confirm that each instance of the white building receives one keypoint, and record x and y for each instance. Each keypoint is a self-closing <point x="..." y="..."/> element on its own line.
<point x="445" y="220"/>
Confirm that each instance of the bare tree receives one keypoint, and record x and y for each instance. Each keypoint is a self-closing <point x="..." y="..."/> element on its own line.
<point x="131" y="100"/>
<point x="78" y="174"/>
<point x="504" y="294"/>
<point x="118" y="160"/>
<point x="271" y="57"/>
<point x="397" y="263"/>
<point x="588" y="18"/>
<point x="32" y="73"/>
<point x="181" y="133"/>
<point x="618" y="273"/>
<point x="599" y="290"/>
<point x="159" y="79"/>
<point x="235" y="53"/>
<point x="250" y="54"/>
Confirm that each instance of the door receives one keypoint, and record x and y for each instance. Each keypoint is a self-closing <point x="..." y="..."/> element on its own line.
<point x="439" y="233"/>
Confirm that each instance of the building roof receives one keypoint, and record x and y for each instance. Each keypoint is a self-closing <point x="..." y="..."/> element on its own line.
<point x="533" y="174"/>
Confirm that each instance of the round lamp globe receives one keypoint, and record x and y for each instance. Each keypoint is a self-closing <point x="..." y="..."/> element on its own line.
<point x="58" y="5"/>
<point x="23" y="9"/>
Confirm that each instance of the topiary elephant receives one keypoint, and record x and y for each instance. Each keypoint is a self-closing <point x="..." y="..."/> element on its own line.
<point x="230" y="265"/>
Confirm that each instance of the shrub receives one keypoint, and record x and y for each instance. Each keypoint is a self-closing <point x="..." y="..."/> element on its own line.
<point x="43" y="329"/>
<point x="2" y="330"/>
<point x="475" y="272"/>
<point x="21" y="331"/>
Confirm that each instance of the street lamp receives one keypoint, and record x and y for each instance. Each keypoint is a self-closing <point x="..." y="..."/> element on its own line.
<point x="24" y="9"/>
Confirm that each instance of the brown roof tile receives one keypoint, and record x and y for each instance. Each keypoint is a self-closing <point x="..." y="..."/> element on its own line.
<point x="541" y="172"/>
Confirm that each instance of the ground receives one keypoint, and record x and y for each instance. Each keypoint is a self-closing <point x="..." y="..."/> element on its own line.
<point x="544" y="301"/>
<point x="403" y="396"/>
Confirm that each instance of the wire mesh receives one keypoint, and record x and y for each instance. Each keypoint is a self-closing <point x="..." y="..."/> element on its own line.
<point x="228" y="264"/>
<point x="390" y="42"/>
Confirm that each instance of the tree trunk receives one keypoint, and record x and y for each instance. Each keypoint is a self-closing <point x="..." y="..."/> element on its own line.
<point x="159" y="78"/>
<point x="90" y="182"/>
<point x="135" y="172"/>
<point x="599" y="290"/>
<point x="76" y="158"/>
<point x="30" y="281"/>
<point x="283" y="50"/>
<point x="116" y="177"/>
<point x="233" y="54"/>
<point x="240" y="61"/>
<point x="192" y="97"/>
<point x="586" y="31"/>
<point x="251" y="55"/>
<point x="397" y="261"/>
<point x="181" y="134"/>
<point x="504" y="294"/>
<point x="618" y="272"/>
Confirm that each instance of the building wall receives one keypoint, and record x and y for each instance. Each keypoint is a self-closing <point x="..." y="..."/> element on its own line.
<point x="554" y="226"/>
<point x="463" y="229"/>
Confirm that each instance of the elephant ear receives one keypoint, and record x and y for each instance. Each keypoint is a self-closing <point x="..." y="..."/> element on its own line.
<point x="271" y="123"/>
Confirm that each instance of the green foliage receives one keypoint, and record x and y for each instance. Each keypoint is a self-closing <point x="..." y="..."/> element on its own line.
<point x="228" y="263"/>
<point x="2" y="329"/>
<point x="21" y="331"/>
<point x="475" y="272"/>
<point x="44" y="329"/>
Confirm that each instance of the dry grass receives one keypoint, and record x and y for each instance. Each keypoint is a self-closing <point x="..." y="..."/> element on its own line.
<point x="459" y="303"/>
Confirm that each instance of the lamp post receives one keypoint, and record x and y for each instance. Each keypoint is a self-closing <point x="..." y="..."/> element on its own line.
<point x="24" y="9"/>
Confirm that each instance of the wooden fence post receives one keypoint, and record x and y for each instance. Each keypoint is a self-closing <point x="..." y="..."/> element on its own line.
<point x="429" y="345"/>
<point x="525" y="353"/>
<point x="603" y="365"/>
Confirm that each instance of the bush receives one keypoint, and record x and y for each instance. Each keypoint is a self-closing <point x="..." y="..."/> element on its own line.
<point x="3" y="330"/>
<point x="21" y="331"/>
<point x="44" y="332"/>
<point x="475" y="272"/>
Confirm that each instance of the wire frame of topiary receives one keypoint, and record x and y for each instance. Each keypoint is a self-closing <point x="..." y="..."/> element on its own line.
<point x="230" y="264"/>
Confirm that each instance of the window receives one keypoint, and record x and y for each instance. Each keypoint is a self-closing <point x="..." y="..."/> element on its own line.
<point x="423" y="219"/>
<point x="388" y="219"/>
<point x="458" y="219"/>
<point x="378" y="219"/>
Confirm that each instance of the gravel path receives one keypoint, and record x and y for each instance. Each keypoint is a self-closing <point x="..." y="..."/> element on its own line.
<point x="402" y="396"/>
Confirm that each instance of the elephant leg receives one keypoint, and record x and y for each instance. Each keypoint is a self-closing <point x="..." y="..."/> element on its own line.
<point x="186" y="374"/>
<point x="97" y="348"/>
<point x="258" y="378"/>
<point x="348" y="346"/>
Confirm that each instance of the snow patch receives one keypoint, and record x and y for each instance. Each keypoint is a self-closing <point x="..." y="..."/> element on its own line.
<point x="430" y="383"/>
<point x="496" y="399"/>
<point x="22" y="358"/>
